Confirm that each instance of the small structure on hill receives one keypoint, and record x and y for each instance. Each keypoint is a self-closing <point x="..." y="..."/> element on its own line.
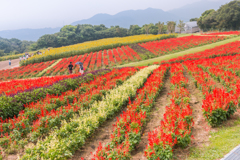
<point x="189" y="27"/>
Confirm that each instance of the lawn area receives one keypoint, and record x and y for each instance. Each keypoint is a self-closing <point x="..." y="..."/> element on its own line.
<point x="221" y="143"/>
<point x="174" y="55"/>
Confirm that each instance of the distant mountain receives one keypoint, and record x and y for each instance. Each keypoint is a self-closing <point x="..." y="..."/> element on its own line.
<point x="196" y="9"/>
<point x="150" y="15"/>
<point x="28" y="34"/>
<point x="130" y="17"/>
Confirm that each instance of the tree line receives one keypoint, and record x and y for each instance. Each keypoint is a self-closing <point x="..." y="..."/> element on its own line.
<point x="85" y="32"/>
<point x="227" y="17"/>
<point x="13" y="46"/>
<point x="69" y="35"/>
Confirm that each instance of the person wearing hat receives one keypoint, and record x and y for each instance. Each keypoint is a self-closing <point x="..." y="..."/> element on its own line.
<point x="70" y="67"/>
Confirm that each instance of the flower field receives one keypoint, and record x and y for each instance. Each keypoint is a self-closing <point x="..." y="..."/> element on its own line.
<point x="96" y="60"/>
<point x="108" y="58"/>
<point x="218" y="104"/>
<point x="12" y="104"/>
<point x="38" y="118"/>
<point x="175" y="128"/>
<point x="89" y="119"/>
<point x="56" y="117"/>
<point x="24" y="71"/>
<point x="16" y="86"/>
<point x="93" y="46"/>
<point x="158" y="45"/>
<point x="178" y="44"/>
<point x="223" y="50"/>
<point x="127" y="130"/>
<point x="125" y="54"/>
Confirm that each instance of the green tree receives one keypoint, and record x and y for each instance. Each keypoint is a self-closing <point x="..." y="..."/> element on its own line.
<point x="153" y="29"/>
<point x="134" y="30"/>
<point x="160" y="27"/>
<point x="80" y="33"/>
<point x="120" y="32"/>
<point x="147" y="28"/>
<point x="228" y="16"/>
<point x="208" y="20"/>
<point x="2" y="53"/>
<point x="193" y="19"/>
<point x="181" y="25"/>
<point x="9" y="45"/>
<point x="171" y="26"/>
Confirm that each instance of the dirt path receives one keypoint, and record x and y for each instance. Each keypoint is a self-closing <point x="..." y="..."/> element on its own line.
<point x="102" y="134"/>
<point x="154" y="121"/>
<point x="201" y="129"/>
<point x="5" y="65"/>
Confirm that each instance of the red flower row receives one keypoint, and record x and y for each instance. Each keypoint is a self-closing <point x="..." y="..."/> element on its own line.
<point x="127" y="130"/>
<point x="177" y="44"/>
<point x="224" y="70"/>
<point x="175" y="128"/>
<point x="20" y="85"/>
<point x="30" y="70"/>
<point x="95" y="60"/>
<point x="61" y="67"/>
<point x="223" y="50"/>
<point x="218" y="105"/>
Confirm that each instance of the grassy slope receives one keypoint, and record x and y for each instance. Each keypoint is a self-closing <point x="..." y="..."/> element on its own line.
<point x="221" y="143"/>
<point x="174" y="55"/>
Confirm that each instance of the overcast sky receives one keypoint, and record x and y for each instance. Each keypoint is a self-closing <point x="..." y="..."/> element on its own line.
<point x="18" y="14"/>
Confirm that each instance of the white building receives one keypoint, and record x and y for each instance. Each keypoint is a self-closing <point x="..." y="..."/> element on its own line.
<point x="189" y="27"/>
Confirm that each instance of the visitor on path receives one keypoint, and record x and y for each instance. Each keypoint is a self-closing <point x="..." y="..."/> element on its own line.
<point x="9" y="62"/>
<point x="70" y="67"/>
<point x="27" y="56"/>
<point x="20" y="59"/>
<point x="24" y="57"/>
<point x="81" y="69"/>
